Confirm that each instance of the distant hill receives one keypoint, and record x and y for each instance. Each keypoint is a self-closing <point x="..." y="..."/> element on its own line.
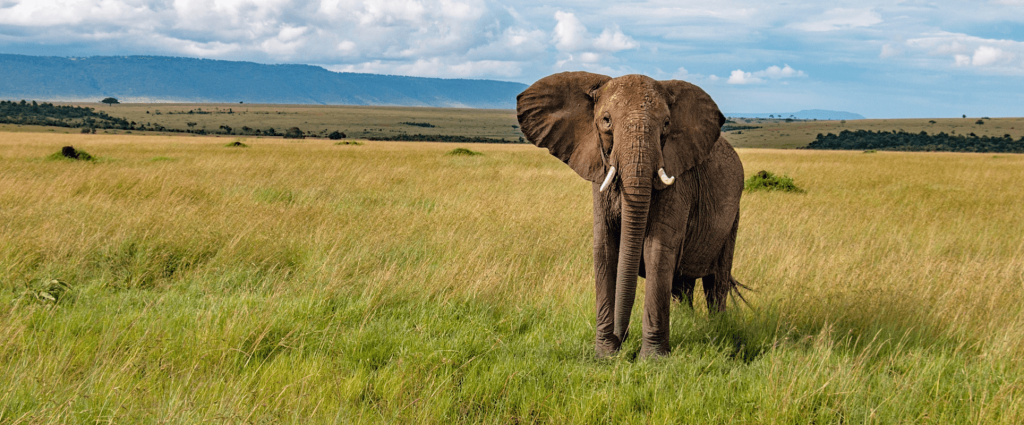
<point x="172" y="79"/>
<point x="808" y="114"/>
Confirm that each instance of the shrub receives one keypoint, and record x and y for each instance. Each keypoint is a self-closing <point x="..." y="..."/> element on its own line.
<point x="418" y="124"/>
<point x="870" y="151"/>
<point x="294" y="133"/>
<point x="348" y="142"/>
<point x="70" y="153"/>
<point x="463" y="151"/>
<point x="979" y="122"/>
<point x="237" y="143"/>
<point x="765" y="180"/>
<point x="336" y="135"/>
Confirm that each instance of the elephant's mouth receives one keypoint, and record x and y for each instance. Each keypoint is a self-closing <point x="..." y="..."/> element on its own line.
<point x="665" y="178"/>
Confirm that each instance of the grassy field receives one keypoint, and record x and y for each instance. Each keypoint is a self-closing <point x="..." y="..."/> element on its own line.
<point x="354" y="121"/>
<point x="782" y="134"/>
<point x="385" y="121"/>
<point x="306" y="282"/>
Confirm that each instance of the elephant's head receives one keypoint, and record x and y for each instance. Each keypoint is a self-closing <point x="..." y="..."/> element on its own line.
<point x="632" y="132"/>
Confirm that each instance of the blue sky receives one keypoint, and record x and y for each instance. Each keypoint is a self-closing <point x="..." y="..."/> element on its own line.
<point x="879" y="59"/>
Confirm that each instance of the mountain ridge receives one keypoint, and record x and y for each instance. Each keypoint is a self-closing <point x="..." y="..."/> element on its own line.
<point x="189" y="80"/>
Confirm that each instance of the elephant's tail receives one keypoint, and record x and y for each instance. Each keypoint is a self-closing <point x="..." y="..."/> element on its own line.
<point x="736" y="289"/>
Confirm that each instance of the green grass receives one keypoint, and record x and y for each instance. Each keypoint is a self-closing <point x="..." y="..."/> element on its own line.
<point x="302" y="283"/>
<point x="463" y="152"/>
<point x="75" y="155"/>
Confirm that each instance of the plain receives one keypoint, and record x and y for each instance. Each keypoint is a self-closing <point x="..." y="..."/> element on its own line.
<point x="303" y="282"/>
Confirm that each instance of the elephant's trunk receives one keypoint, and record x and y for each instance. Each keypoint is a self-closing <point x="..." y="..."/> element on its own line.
<point x="637" y="175"/>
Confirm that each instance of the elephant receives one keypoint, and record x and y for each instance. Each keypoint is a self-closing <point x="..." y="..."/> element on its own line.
<point x="629" y="136"/>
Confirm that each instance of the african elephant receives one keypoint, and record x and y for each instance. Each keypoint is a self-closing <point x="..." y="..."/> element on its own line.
<point x="628" y="135"/>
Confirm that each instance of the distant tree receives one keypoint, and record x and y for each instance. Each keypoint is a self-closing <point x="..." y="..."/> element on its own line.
<point x="227" y="130"/>
<point x="965" y="115"/>
<point x="110" y="101"/>
<point x="931" y="121"/>
<point x="294" y="133"/>
<point x="190" y="124"/>
<point x="336" y="135"/>
<point x="979" y="122"/>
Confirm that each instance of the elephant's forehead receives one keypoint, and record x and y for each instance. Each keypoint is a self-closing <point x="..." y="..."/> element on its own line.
<point x="632" y="92"/>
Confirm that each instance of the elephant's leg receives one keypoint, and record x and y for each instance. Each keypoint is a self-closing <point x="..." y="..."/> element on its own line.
<point x="715" y="292"/>
<point x="682" y="289"/>
<point x="606" y="260"/>
<point x="660" y="261"/>
<point x="718" y="285"/>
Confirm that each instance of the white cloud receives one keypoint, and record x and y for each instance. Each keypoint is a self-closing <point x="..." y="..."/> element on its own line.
<point x="890" y="51"/>
<point x="681" y="74"/>
<point x="840" y="19"/>
<point x="347" y="47"/>
<point x="771" y="73"/>
<point x="740" y="77"/>
<point x="774" y="72"/>
<point x="570" y="35"/>
<point x="436" y="67"/>
<point x="966" y="51"/>
<point x="613" y="40"/>
<point x="987" y="55"/>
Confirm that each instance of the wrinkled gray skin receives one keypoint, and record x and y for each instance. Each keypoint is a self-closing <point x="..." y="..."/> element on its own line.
<point x="669" y="234"/>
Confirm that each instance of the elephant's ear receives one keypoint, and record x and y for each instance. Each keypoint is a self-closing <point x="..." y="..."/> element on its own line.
<point x="694" y="127"/>
<point x="557" y="113"/>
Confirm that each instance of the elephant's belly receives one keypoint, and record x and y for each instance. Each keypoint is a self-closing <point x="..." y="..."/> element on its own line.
<point x="702" y="248"/>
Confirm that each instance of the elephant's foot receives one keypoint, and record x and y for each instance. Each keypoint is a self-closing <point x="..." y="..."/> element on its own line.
<point x="607" y="347"/>
<point x="653" y="350"/>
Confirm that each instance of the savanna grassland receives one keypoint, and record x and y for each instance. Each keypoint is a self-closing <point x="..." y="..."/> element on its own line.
<point x="307" y="282"/>
<point x="383" y="122"/>
<point x="781" y="134"/>
<point x="354" y="121"/>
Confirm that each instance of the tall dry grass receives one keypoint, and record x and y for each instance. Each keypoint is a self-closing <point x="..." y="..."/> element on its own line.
<point x="298" y="282"/>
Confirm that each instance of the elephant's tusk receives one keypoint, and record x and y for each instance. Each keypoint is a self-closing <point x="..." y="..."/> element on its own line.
<point x="608" y="179"/>
<point x="665" y="178"/>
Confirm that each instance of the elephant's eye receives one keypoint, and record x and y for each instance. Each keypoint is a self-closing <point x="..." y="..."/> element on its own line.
<point x="606" y="121"/>
<point x="667" y="123"/>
